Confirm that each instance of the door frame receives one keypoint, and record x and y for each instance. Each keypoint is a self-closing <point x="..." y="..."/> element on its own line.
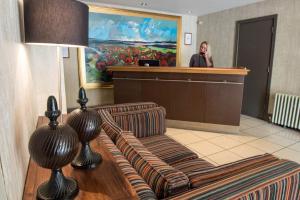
<point x="235" y="55"/>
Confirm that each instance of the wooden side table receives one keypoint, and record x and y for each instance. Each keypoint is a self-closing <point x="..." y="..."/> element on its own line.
<point x="105" y="182"/>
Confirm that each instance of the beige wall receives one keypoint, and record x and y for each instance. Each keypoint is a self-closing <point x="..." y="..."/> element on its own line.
<point x="26" y="75"/>
<point x="105" y="96"/>
<point x="189" y="25"/>
<point x="219" y="29"/>
<point x="44" y="63"/>
<point x="95" y="96"/>
<point x="2" y="186"/>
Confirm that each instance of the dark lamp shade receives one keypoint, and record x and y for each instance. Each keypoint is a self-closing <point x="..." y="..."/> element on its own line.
<point x="56" y="22"/>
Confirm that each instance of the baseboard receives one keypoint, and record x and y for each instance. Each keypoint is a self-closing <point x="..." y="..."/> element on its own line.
<point x="202" y="126"/>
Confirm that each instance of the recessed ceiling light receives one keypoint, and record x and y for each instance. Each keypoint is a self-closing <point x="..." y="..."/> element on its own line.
<point x="189" y="12"/>
<point x="144" y="4"/>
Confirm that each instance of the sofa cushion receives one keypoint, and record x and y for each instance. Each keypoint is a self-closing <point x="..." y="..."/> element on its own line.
<point x="143" y="123"/>
<point x="161" y="177"/>
<point x="167" y="149"/>
<point x="142" y="189"/>
<point x="204" y="175"/>
<point x="110" y="127"/>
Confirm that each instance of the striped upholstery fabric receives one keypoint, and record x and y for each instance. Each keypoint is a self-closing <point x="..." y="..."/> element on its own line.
<point x="277" y="180"/>
<point x="206" y="175"/>
<point x="161" y="177"/>
<point x="142" y="189"/>
<point x="167" y="149"/>
<point x="109" y="125"/>
<point x="143" y="123"/>
<point x="191" y="167"/>
<point x="125" y="107"/>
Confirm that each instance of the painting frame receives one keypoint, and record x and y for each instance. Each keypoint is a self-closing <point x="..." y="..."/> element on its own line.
<point x="117" y="11"/>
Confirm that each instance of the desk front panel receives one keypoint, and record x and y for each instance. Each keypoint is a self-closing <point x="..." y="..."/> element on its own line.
<point x="206" y="98"/>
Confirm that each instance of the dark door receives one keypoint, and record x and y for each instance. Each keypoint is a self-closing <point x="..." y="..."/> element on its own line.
<point x="254" y="49"/>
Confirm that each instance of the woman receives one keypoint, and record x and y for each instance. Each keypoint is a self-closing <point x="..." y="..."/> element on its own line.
<point x="203" y="58"/>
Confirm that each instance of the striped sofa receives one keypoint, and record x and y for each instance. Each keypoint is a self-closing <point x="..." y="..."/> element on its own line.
<point x="160" y="168"/>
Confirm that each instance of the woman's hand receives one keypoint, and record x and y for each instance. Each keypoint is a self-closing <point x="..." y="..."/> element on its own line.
<point x="208" y="59"/>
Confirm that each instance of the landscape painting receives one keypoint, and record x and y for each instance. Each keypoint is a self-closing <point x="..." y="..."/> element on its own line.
<point x="121" y="38"/>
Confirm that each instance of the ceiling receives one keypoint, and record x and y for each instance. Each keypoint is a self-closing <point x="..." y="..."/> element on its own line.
<point x="188" y="7"/>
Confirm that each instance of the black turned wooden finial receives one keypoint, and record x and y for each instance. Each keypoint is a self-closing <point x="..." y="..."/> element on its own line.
<point x="87" y="123"/>
<point x="53" y="147"/>
<point x="52" y="111"/>
<point x="82" y="99"/>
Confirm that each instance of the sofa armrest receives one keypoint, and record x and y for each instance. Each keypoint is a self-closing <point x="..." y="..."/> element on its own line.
<point x="202" y="177"/>
<point x="161" y="177"/>
<point x="143" y="123"/>
<point x="279" y="179"/>
<point x="142" y="189"/>
<point x="111" y="128"/>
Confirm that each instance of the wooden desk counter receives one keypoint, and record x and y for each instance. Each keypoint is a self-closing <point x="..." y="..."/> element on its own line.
<point x="205" y="95"/>
<point x="105" y="182"/>
<point x="192" y="70"/>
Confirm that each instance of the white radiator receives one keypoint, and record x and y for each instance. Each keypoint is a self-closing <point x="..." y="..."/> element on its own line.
<point x="286" y="110"/>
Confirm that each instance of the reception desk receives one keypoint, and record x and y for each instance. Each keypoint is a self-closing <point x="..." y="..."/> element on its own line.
<point x="202" y="95"/>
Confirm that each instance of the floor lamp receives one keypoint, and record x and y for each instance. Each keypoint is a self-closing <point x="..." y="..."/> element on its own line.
<point x="57" y="23"/>
<point x="61" y="23"/>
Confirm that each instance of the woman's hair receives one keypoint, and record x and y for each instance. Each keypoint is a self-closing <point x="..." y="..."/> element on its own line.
<point x="204" y="42"/>
<point x="208" y="48"/>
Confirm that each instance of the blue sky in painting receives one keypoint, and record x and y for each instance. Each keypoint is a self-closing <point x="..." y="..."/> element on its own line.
<point x="130" y="28"/>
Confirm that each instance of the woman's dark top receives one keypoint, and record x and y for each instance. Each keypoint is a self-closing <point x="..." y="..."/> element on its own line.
<point x="198" y="60"/>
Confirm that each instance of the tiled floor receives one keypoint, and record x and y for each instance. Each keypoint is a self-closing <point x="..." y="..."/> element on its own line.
<point x="255" y="137"/>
